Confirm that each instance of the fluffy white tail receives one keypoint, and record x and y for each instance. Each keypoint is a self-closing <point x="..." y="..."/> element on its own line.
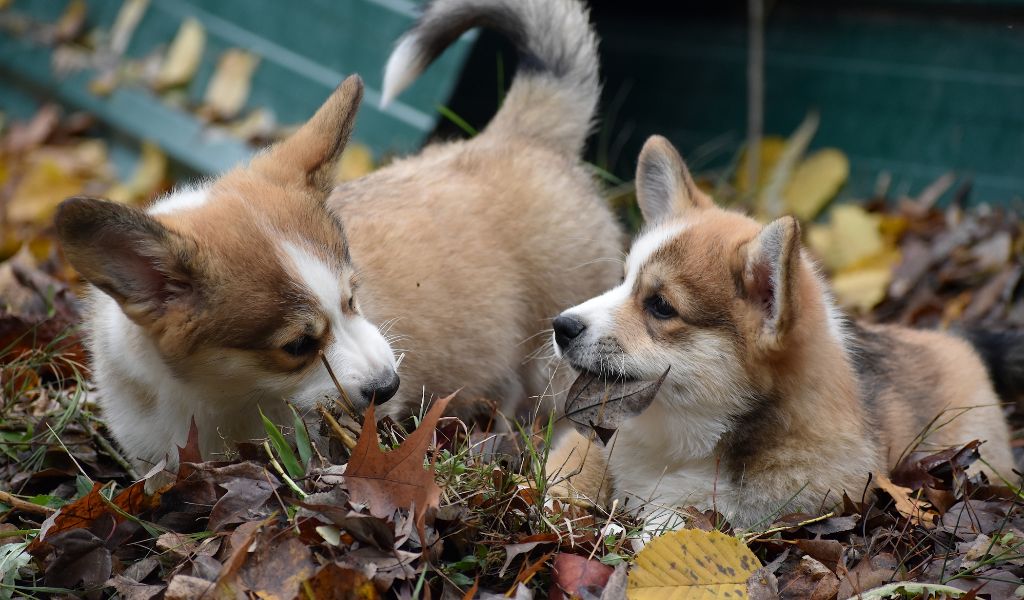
<point x="554" y="95"/>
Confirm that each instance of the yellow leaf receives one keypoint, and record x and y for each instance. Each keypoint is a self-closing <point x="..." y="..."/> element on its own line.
<point x="356" y="161"/>
<point x="815" y="181"/>
<point x="229" y="87"/>
<point x="689" y="564"/>
<point x="184" y="55"/>
<point x="71" y="22"/>
<point x="771" y="150"/>
<point x="862" y="289"/>
<point x="146" y="181"/>
<point x="855" y="236"/>
<point x="44" y="186"/>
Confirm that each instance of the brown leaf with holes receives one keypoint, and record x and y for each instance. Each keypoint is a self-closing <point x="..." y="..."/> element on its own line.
<point x="598" y="404"/>
<point x="387" y="481"/>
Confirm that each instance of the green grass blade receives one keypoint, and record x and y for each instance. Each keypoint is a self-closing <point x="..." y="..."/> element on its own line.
<point x="284" y="450"/>
<point x="302" y="438"/>
<point x="454" y="118"/>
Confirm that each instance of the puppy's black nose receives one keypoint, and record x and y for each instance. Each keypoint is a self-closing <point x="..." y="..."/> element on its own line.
<point x="381" y="389"/>
<point x="567" y="328"/>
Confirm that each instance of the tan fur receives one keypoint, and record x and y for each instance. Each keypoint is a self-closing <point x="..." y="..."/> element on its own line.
<point x="228" y="298"/>
<point x="479" y="261"/>
<point x="770" y="404"/>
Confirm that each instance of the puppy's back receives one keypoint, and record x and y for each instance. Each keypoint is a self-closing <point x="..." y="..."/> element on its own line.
<point x="929" y="391"/>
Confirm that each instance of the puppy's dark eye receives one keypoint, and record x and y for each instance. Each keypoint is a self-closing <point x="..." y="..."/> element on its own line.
<point x="304" y="345"/>
<point x="352" y="303"/>
<point x="659" y="308"/>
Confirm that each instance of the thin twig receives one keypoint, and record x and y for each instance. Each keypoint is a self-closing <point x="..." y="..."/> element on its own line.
<point x="347" y="440"/>
<point x="347" y="405"/>
<point x="755" y="91"/>
<point x="754" y="535"/>
<point x="277" y="467"/>
<point x="26" y="506"/>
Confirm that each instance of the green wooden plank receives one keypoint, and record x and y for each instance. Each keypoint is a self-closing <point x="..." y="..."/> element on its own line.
<point x="305" y="51"/>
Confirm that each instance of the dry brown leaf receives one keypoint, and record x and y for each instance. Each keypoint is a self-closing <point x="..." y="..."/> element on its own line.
<point x="334" y="582"/>
<point x="83" y="512"/>
<point x="907" y="504"/>
<point x="811" y="580"/>
<point x="387" y="481"/>
<point x="575" y="576"/>
<point x="599" y="405"/>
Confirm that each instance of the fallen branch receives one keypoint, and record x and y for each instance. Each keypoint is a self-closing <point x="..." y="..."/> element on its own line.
<point x="26" y="506"/>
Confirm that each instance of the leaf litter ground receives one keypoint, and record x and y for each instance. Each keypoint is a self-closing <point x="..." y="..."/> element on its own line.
<point x="447" y="511"/>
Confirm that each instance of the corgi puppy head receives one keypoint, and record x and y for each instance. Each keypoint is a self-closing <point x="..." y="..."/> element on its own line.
<point x="710" y="293"/>
<point x="241" y="286"/>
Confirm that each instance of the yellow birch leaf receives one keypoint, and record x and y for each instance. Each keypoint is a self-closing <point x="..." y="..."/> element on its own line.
<point x="146" y="181"/>
<point x="229" y="87"/>
<point x="691" y="564"/>
<point x="184" y="55"/>
<point x="45" y="185"/>
<point x="356" y="161"/>
<point x="771" y="149"/>
<point x="819" y="240"/>
<point x="863" y="284"/>
<point x="855" y="236"/>
<point x="814" y="182"/>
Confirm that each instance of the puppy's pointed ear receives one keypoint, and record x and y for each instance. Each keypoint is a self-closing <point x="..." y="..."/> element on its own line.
<point x="769" y="275"/>
<point x="664" y="187"/>
<point x="128" y="255"/>
<point x="310" y="155"/>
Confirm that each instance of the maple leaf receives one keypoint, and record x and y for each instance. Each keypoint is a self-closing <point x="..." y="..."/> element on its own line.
<point x="387" y="481"/>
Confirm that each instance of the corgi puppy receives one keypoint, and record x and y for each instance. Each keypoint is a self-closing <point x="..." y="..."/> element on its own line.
<point x="773" y="402"/>
<point x="229" y="296"/>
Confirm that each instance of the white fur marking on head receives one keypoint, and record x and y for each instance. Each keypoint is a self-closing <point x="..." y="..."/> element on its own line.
<point x="647" y="244"/>
<point x="597" y="312"/>
<point x="358" y="352"/>
<point x="182" y="199"/>
<point x="318" y="278"/>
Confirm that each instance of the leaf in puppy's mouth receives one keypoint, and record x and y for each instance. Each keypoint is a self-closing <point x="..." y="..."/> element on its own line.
<point x="601" y="404"/>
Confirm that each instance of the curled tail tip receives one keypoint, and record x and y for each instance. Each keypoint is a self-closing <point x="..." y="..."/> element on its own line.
<point x="403" y="66"/>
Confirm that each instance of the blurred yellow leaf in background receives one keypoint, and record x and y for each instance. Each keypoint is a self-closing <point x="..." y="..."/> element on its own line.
<point x="229" y="87"/>
<point x="770" y="151"/>
<point x="859" y="250"/>
<point x="184" y="55"/>
<point x="692" y="564"/>
<point x="814" y="182"/>
<point x="356" y="161"/>
<point x="43" y="187"/>
<point x="148" y="179"/>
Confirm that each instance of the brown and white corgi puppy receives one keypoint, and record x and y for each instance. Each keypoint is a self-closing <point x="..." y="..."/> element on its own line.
<point x="773" y="402"/>
<point x="223" y="297"/>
